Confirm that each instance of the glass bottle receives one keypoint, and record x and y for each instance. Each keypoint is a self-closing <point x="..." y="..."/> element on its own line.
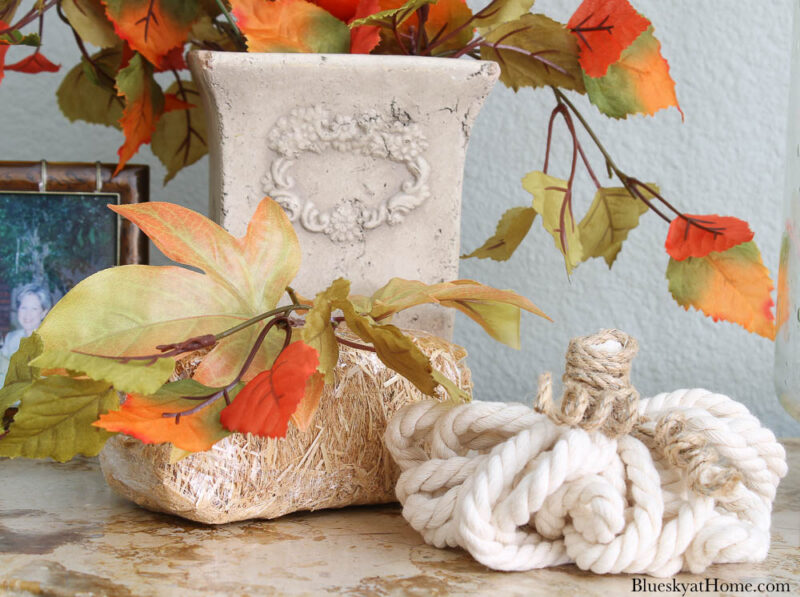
<point x="787" y="340"/>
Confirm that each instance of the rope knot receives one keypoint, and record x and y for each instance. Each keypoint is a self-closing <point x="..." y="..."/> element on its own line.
<point x="690" y="451"/>
<point x="597" y="385"/>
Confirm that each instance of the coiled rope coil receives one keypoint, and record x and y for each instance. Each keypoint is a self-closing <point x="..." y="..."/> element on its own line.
<point x="609" y="482"/>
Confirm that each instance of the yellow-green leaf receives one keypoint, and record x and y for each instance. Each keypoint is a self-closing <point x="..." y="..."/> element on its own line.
<point x="535" y="51"/>
<point x="496" y="311"/>
<point x="20" y="374"/>
<point x="180" y="136"/>
<point x="55" y="419"/>
<point x="511" y="229"/>
<point x="549" y="197"/>
<point x="503" y="11"/>
<point x="385" y="16"/>
<point x="89" y="95"/>
<point x="395" y="349"/>
<point x="88" y="18"/>
<point x="134" y="376"/>
<point x="455" y="393"/>
<point x="318" y="332"/>
<point x="613" y="213"/>
<point x="128" y="310"/>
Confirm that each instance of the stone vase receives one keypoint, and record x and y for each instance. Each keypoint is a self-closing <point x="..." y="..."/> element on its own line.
<point x="365" y="154"/>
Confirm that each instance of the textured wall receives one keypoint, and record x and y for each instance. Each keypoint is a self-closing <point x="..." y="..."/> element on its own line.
<point x="732" y="67"/>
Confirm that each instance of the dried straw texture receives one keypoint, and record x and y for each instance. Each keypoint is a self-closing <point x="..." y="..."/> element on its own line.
<point x="340" y="461"/>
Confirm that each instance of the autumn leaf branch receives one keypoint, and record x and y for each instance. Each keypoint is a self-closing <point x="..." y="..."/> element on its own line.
<point x="635" y="187"/>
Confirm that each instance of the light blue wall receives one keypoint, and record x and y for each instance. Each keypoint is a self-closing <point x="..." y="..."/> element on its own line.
<point x="731" y="63"/>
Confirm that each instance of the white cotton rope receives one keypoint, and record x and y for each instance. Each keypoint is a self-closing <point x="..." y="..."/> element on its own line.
<point x="611" y="483"/>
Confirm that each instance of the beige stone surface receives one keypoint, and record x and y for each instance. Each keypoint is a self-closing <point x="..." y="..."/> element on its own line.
<point x="64" y="533"/>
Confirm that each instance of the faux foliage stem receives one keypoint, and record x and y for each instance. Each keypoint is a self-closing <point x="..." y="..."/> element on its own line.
<point x="285" y="310"/>
<point x="239" y="37"/>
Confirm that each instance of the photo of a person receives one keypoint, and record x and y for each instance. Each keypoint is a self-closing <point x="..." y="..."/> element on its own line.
<point x="30" y="306"/>
<point x="49" y="242"/>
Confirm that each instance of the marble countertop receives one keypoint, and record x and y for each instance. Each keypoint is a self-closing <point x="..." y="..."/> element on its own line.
<point x="64" y="533"/>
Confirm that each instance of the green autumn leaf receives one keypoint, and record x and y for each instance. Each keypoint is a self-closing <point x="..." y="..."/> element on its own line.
<point x="55" y="419"/>
<point x="384" y="17"/>
<point x="511" y="229"/>
<point x="318" y="331"/>
<point x="180" y="137"/>
<point x="732" y="285"/>
<point x="89" y="96"/>
<point x="394" y="348"/>
<point x="15" y="38"/>
<point x="613" y="213"/>
<point x="20" y="374"/>
<point x="503" y="11"/>
<point x="88" y="19"/>
<point x="549" y="194"/>
<point x="134" y="376"/>
<point x="535" y="51"/>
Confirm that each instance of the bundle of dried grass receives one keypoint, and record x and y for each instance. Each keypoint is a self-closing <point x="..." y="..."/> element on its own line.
<point x="340" y="461"/>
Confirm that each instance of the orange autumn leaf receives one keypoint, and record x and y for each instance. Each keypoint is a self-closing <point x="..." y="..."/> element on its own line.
<point x="732" y="285"/>
<point x="720" y="234"/>
<point x="35" y="63"/>
<point x="143" y="418"/>
<point x="304" y="414"/>
<point x="290" y="26"/>
<point x="364" y="39"/>
<point x="153" y="27"/>
<point x="265" y="404"/>
<point x="144" y="104"/>
<point x="604" y="28"/>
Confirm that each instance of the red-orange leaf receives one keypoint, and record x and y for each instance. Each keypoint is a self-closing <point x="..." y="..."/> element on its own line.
<point x="687" y="240"/>
<point x="143" y="418"/>
<point x="35" y="63"/>
<point x="364" y="39"/>
<point x="144" y="104"/>
<point x="173" y="102"/>
<point x="264" y="405"/>
<point x="604" y="29"/>
<point x="344" y="10"/>
<point x="3" y="50"/>
<point x="153" y="27"/>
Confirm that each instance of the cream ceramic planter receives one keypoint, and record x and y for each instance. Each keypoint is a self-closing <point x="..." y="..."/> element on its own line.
<point x="365" y="153"/>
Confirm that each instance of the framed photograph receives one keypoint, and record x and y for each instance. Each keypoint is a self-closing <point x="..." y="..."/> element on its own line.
<point x="55" y="230"/>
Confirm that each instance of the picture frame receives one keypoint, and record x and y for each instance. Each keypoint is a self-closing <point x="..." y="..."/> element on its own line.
<point x="55" y="230"/>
